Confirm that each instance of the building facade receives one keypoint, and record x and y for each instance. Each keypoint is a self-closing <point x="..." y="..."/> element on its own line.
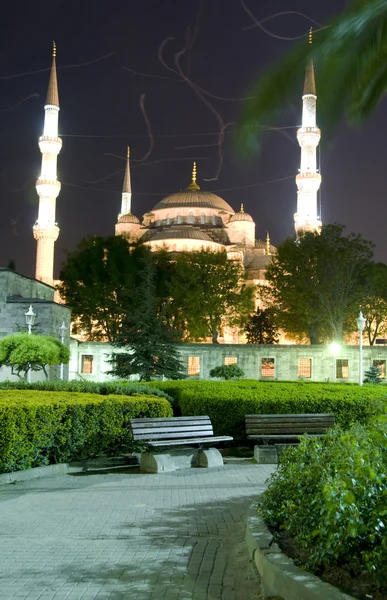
<point x="90" y="361"/>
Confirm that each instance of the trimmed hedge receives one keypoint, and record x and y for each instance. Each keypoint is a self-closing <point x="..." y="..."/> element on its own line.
<point x="125" y="388"/>
<point x="41" y="427"/>
<point x="227" y="403"/>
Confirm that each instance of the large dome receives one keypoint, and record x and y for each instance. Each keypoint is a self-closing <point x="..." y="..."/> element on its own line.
<point x="194" y="198"/>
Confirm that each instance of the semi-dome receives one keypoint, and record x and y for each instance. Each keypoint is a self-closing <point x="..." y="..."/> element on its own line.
<point x="129" y="218"/>
<point x="193" y="196"/>
<point x="241" y="216"/>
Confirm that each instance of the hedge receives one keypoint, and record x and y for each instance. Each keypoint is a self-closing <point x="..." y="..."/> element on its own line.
<point x="40" y="427"/>
<point x="125" y="388"/>
<point x="228" y="402"/>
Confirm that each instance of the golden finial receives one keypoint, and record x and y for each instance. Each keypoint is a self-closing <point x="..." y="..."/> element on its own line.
<point x="311" y="35"/>
<point x="128" y="152"/>
<point x="242" y="210"/>
<point x="53" y="49"/>
<point x="267" y="251"/>
<point x="193" y="185"/>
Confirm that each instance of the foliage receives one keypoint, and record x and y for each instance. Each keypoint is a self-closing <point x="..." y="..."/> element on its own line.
<point x="349" y="55"/>
<point x="228" y="402"/>
<point x="40" y="427"/>
<point x="261" y="328"/>
<point x="372" y="375"/>
<point x="208" y="290"/>
<point x="22" y="352"/>
<point x="146" y="334"/>
<point x="375" y="304"/>
<point x="123" y="388"/>
<point x="227" y="372"/>
<point x="93" y="280"/>
<point x="330" y="496"/>
<point x="318" y="283"/>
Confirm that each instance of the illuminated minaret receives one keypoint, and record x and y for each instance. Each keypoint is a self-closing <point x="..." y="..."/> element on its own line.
<point x="308" y="180"/>
<point x="48" y="187"/>
<point x="127" y="225"/>
<point x="126" y="203"/>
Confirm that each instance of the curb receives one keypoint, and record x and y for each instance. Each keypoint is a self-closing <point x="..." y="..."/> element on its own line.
<point x="38" y="472"/>
<point x="279" y="575"/>
<point x="64" y="468"/>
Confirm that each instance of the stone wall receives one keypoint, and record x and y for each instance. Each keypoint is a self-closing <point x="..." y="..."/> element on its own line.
<point x="281" y="362"/>
<point x="17" y="293"/>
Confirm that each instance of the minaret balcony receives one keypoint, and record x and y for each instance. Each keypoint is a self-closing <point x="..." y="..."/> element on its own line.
<point x="308" y="181"/>
<point x="49" y="232"/>
<point x="48" y="188"/>
<point x="50" y="145"/>
<point x="308" y="136"/>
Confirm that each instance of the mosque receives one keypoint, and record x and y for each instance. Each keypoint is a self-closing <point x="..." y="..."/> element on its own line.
<point x="188" y="220"/>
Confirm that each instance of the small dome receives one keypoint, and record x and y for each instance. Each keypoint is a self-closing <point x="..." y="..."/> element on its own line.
<point x="129" y="218"/>
<point x="241" y="216"/>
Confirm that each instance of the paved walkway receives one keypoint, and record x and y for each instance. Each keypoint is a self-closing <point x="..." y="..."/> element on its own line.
<point x="123" y="535"/>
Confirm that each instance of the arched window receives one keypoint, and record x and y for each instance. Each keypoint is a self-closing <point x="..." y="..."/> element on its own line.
<point x="179" y="219"/>
<point x="191" y="219"/>
<point x="202" y="219"/>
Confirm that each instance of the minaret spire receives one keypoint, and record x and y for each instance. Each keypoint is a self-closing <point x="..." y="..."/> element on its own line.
<point x="126" y="203"/>
<point x="48" y="187"/>
<point x="309" y="179"/>
<point x="267" y="248"/>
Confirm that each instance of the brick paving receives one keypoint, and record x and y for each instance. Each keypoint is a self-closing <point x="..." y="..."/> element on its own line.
<point x="123" y="535"/>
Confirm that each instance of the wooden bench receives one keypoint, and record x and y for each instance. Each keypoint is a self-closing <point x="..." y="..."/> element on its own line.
<point x="177" y="432"/>
<point x="275" y="428"/>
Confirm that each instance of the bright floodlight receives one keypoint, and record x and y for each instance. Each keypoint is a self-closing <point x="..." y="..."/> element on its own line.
<point x="334" y="348"/>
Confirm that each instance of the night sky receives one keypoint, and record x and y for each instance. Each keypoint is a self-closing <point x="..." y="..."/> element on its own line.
<point x="100" y="115"/>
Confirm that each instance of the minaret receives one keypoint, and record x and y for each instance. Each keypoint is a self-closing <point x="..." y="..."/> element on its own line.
<point x="126" y="202"/>
<point x="127" y="225"/>
<point x="308" y="180"/>
<point x="48" y="187"/>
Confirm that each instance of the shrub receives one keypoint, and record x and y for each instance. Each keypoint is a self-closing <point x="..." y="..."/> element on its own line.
<point x="125" y="388"/>
<point x="227" y="372"/>
<point x="41" y="427"/>
<point x="330" y="496"/>
<point x="227" y="402"/>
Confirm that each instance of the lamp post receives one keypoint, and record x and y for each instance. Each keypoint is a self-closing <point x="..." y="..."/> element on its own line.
<point x="62" y="334"/>
<point x="361" y="321"/>
<point x="30" y="318"/>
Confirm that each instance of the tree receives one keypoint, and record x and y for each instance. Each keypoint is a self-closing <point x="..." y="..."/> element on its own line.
<point x="375" y="304"/>
<point x="261" y="328"/>
<point x="145" y="333"/>
<point x="22" y="352"/>
<point x="98" y="280"/>
<point x="349" y="54"/>
<point x="373" y="375"/>
<point x="318" y="282"/>
<point x="227" y="372"/>
<point x="209" y="292"/>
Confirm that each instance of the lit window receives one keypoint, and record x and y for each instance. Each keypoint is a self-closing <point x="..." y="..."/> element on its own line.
<point x="381" y="364"/>
<point x="305" y="367"/>
<point x="194" y="365"/>
<point x="230" y="360"/>
<point x="202" y="219"/>
<point x="87" y="363"/>
<point x="179" y="219"/>
<point x="342" y="368"/>
<point x="191" y="219"/>
<point x="267" y="368"/>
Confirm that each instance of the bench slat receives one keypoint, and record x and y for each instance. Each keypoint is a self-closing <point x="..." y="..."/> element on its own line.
<point x="167" y="419"/>
<point x="289" y="416"/>
<point x="167" y="429"/>
<point x="164" y="423"/>
<point x="172" y="436"/>
<point x="209" y="440"/>
<point x="290" y="436"/>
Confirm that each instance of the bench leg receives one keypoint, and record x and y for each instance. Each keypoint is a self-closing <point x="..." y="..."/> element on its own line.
<point x="210" y="457"/>
<point x="266" y="455"/>
<point x="165" y="462"/>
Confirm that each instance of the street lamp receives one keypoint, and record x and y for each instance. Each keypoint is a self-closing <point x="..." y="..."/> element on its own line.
<point x="361" y="321"/>
<point x="30" y="318"/>
<point x="62" y="334"/>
